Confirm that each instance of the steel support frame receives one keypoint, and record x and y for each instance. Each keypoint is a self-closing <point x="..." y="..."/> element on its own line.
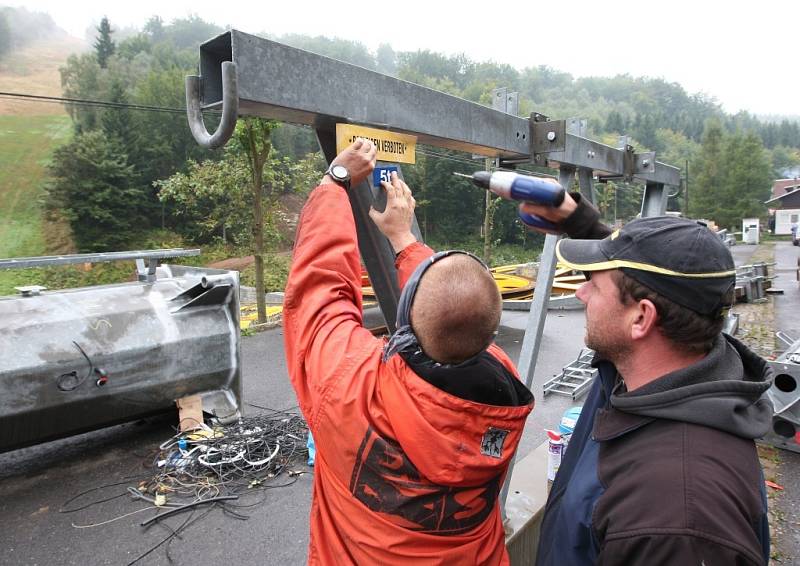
<point x="291" y="85"/>
<point x="288" y="84"/>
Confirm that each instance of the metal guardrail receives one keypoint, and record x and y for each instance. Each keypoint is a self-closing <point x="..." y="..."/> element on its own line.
<point x="145" y="273"/>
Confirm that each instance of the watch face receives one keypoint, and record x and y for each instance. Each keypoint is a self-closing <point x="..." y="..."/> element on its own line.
<point x="339" y="172"/>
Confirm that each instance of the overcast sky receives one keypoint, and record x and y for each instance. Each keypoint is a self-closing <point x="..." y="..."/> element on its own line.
<point x="743" y="54"/>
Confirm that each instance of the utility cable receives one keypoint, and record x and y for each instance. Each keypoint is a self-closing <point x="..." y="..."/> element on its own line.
<point x="64" y="509"/>
<point x="97" y="103"/>
<point x="92" y="525"/>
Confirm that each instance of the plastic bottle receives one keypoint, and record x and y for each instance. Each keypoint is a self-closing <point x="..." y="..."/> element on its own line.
<point x="567" y="425"/>
<point x="555" y="448"/>
<point x="312" y="449"/>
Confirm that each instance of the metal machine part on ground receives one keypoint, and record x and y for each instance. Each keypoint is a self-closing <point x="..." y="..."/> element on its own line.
<point x="575" y="378"/>
<point x="81" y="359"/>
<point x="785" y="396"/>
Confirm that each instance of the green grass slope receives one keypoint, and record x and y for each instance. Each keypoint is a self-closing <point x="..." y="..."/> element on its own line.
<point x="26" y="147"/>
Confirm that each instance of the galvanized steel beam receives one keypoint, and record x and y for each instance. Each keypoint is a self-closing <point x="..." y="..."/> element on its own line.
<point x="273" y="81"/>
<point x="288" y="84"/>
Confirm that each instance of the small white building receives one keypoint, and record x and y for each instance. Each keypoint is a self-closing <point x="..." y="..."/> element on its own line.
<point x="785" y="204"/>
<point x="750" y="230"/>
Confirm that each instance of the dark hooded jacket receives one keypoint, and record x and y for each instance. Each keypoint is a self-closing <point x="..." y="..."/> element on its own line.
<point x="668" y="473"/>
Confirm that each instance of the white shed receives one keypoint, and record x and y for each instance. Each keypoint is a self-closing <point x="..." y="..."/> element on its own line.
<point x="750" y="229"/>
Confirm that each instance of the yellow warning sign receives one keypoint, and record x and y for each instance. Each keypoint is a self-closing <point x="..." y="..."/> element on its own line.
<point x="392" y="147"/>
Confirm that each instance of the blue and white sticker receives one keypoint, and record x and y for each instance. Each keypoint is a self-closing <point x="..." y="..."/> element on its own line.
<point x="382" y="174"/>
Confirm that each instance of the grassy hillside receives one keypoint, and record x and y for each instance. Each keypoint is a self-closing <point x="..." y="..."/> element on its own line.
<point x="26" y="145"/>
<point x="33" y="69"/>
<point x="29" y="132"/>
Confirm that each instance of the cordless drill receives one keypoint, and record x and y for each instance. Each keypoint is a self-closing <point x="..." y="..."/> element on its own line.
<point x="513" y="186"/>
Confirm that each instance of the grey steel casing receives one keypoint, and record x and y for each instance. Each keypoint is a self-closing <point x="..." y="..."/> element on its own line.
<point x="785" y="396"/>
<point x="158" y="342"/>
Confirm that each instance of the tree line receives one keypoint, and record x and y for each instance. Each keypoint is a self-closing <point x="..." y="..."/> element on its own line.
<point x="128" y="171"/>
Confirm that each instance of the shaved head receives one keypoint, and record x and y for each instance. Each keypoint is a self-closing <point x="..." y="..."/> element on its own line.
<point x="456" y="309"/>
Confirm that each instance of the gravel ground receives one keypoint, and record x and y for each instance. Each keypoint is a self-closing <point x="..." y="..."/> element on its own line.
<point x="758" y="323"/>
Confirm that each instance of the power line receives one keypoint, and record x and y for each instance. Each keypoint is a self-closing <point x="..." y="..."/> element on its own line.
<point x="147" y="108"/>
<point x="92" y="103"/>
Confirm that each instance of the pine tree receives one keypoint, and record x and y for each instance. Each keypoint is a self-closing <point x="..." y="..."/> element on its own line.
<point x="117" y="123"/>
<point x="104" y="45"/>
<point x="94" y="186"/>
<point x="748" y="179"/>
<point x="615" y="122"/>
<point x="708" y="180"/>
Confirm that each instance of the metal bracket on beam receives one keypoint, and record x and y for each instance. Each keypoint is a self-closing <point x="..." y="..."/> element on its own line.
<point x="644" y="162"/>
<point x="578" y="127"/>
<point x="628" y="163"/>
<point x="548" y="136"/>
<point x="146" y="274"/>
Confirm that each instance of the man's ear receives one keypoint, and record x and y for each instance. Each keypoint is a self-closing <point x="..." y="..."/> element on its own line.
<point x="645" y="317"/>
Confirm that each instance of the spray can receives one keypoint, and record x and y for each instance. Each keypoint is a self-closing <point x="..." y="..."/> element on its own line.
<point x="555" y="448"/>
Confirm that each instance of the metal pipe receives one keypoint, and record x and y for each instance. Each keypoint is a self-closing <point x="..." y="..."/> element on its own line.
<point x="45" y="261"/>
<point x="532" y="341"/>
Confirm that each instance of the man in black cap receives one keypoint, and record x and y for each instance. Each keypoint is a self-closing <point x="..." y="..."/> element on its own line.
<point x="662" y="467"/>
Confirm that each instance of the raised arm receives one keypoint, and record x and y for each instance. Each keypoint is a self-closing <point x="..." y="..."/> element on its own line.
<point x="322" y="307"/>
<point x="575" y="217"/>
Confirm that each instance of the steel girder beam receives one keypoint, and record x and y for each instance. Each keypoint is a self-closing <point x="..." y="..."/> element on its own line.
<point x="276" y="81"/>
<point x="288" y="84"/>
<point x="602" y="159"/>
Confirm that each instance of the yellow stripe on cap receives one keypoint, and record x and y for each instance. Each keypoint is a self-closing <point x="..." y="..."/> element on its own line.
<point x="618" y="263"/>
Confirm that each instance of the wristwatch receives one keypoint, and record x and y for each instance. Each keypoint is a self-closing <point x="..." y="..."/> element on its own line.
<point x="339" y="174"/>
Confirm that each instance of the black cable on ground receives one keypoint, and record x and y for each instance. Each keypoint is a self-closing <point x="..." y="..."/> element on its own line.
<point x="186" y="507"/>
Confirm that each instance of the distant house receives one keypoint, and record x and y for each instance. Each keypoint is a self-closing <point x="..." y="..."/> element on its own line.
<point x="785" y="204"/>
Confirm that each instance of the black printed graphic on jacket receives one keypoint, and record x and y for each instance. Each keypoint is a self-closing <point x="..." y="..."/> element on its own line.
<point x="386" y="481"/>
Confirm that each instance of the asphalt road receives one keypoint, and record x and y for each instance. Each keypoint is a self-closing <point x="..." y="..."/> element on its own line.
<point x="787" y="319"/>
<point x="36" y="482"/>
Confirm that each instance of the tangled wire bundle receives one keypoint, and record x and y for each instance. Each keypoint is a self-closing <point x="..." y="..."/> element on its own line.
<point x="211" y="468"/>
<point x="227" y="460"/>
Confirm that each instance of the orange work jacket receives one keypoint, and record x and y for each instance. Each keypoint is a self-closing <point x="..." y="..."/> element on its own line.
<point x="400" y="477"/>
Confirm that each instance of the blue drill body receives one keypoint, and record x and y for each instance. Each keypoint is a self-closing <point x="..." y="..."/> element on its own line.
<point x="513" y="186"/>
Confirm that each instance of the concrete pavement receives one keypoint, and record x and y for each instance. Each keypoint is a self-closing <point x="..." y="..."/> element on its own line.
<point x="35" y="482"/>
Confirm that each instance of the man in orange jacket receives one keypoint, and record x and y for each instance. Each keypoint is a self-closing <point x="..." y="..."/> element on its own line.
<point x="413" y="436"/>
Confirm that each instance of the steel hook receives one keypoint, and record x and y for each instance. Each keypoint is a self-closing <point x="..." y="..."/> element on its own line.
<point x="230" y="108"/>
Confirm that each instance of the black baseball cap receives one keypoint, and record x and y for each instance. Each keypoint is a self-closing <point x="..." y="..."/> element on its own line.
<point x="680" y="259"/>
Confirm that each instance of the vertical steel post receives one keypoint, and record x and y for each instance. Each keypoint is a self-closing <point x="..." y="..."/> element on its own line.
<point x="586" y="183"/>
<point x="541" y="297"/>
<point x="533" y="331"/>
<point x="654" y="202"/>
